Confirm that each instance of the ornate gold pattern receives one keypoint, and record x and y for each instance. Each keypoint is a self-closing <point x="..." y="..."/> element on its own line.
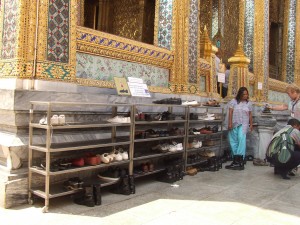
<point x="297" y="46"/>
<point x="276" y="85"/>
<point x="80" y="12"/>
<point x="156" y="21"/>
<point x="260" y="62"/>
<point x="241" y="21"/>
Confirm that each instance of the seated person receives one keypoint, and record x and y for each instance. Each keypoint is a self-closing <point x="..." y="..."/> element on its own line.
<point x="283" y="168"/>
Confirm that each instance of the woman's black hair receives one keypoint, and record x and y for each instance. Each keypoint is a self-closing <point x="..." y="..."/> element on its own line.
<point x="240" y="94"/>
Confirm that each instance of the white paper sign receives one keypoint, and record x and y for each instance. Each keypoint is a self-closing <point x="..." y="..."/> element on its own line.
<point x="221" y="77"/>
<point x="259" y="85"/>
<point x="138" y="89"/>
<point x="135" y="80"/>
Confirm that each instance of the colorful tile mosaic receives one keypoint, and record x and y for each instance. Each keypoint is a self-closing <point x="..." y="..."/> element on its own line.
<point x="165" y="24"/>
<point x="193" y="40"/>
<point x="215" y="18"/>
<point x="290" y="60"/>
<point x="58" y="31"/>
<point x="105" y="69"/>
<point x="10" y="23"/>
<point x="84" y="35"/>
<point x="274" y="96"/>
<point x="249" y="31"/>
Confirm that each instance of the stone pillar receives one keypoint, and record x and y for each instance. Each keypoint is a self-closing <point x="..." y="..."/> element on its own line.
<point x="238" y="72"/>
<point x="266" y="128"/>
<point x="261" y="49"/>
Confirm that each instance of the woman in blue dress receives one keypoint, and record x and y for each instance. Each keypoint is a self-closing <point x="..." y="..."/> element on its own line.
<point x="239" y="120"/>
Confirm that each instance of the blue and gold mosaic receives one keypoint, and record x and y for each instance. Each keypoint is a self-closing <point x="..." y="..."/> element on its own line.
<point x="165" y="24"/>
<point x="58" y="31"/>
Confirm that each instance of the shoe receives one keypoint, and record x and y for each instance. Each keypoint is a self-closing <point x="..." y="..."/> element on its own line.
<point x="118" y="156"/>
<point x="54" y="120"/>
<point x="43" y="121"/>
<point x="161" y="148"/>
<point x="191" y="171"/>
<point x="91" y="160"/>
<point x="124" y="154"/>
<point x="105" y="158"/>
<point x="119" y="119"/>
<point x="196" y="144"/>
<point x="61" y="120"/>
<point x="186" y="103"/>
<point x="78" y="162"/>
<point x="293" y="172"/>
<point x="260" y="162"/>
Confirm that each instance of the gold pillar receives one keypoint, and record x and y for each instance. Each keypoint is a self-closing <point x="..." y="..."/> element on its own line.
<point x="261" y="49"/>
<point x="80" y="12"/>
<point x="285" y="39"/>
<point x="178" y="44"/>
<point x="208" y="52"/>
<point x="238" y="72"/>
<point x="297" y="46"/>
<point x="241" y="21"/>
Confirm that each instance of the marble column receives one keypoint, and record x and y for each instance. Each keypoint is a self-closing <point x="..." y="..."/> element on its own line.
<point x="266" y="127"/>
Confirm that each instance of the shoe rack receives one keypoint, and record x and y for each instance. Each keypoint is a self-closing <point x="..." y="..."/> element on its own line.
<point x="204" y="135"/>
<point x="44" y="143"/>
<point x="159" y="131"/>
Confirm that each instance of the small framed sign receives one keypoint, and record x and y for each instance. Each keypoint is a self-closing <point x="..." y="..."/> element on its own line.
<point x="122" y="86"/>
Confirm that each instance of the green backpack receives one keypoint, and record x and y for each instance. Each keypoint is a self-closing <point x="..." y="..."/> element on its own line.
<point x="281" y="147"/>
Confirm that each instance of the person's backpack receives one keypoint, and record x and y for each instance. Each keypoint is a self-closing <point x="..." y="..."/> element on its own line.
<point x="281" y="147"/>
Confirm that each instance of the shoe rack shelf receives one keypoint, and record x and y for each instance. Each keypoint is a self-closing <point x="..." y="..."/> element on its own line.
<point x="201" y="120"/>
<point x="120" y="134"/>
<point x="164" y="119"/>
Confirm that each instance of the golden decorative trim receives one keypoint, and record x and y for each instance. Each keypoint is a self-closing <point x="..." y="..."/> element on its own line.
<point x="111" y="84"/>
<point x="199" y="60"/>
<point x="72" y="36"/>
<point x="241" y="21"/>
<point x="90" y="38"/>
<point x="42" y="30"/>
<point x="1" y="26"/>
<point x="297" y="46"/>
<point x="186" y="15"/>
<point x="251" y="78"/>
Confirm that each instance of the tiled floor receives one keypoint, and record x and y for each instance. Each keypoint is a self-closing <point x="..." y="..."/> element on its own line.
<point x="253" y="196"/>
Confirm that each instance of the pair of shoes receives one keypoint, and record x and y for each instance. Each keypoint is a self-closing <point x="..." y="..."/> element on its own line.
<point x="195" y="144"/>
<point x="147" y="167"/>
<point x="78" y="162"/>
<point x="170" y="101"/>
<point x="176" y="147"/>
<point x="119" y="119"/>
<point x="116" y="155"/>
<point x="161" y="148"/>
<point x="55" y="120"/>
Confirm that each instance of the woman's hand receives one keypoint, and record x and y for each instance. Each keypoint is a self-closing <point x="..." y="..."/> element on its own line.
<point x="251" y="127"/>
<point x="229" y="126"/>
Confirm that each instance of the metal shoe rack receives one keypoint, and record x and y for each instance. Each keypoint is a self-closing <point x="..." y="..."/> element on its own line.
<point x="92" y="117"/>
<point x="117" y="134"/>
<point x="155" y="118"/>
<point x="215" y="138"/>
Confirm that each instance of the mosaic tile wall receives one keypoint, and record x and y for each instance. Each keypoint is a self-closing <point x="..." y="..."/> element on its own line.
<point x="193" y="40"/>
<point x="215" y="18"/>
<point x="249" y="31"/>
<point x="274" y="96"/>
<point x="10" y="22"/>
<point x="165" y="24"/>
<point x="58" y="31"/>
<point x="105" y="69"/>
<point x="290" y="61"/>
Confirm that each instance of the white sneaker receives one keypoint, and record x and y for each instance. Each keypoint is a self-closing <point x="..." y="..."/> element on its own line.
<point x="43" y="121"/>
<point x="197" y="144"/>
<point x="105" y="158"/>
<point x="190" y="103"/>
<point x="119" y="119"/>
<point x="61" y="120"/>
<point x="179" y="147"/>
<point x="54" y="120"/>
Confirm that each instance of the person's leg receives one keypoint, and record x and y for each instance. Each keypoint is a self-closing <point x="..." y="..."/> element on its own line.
<point x="233" y="140"/>
<point x="241" y="148"/>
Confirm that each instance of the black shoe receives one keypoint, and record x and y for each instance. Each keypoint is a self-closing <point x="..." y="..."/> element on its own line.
<point x="284" y="176"/>
<point x="86" y="200"/>
<point x="235" y="166"/>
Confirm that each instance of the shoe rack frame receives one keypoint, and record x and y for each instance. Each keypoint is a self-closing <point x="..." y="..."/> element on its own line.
<point x="38" y="109"/>
<point x="201" y="122"/>
<point x="49" y="190"/>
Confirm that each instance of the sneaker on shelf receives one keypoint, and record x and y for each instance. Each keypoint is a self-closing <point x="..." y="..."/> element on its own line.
<point x="105" y="158"/>
<point x="196" y="144"/>
<point x="61" y="120"/>
<point x="119" y="119"/>
<point x="124" y="154"/>
<point x="43" y="121"/>
<point x="193" y="102"/>
<point x="54" y="120"/>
